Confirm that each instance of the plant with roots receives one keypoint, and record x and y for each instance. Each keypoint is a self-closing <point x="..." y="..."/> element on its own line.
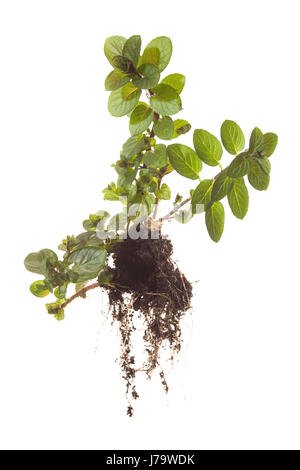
<point x="125" y="254"/>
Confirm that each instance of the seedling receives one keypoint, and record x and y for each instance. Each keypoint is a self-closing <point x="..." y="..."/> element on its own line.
<point x="125" y="254"/>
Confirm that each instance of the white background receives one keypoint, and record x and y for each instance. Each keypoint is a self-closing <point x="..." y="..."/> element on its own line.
<point x="237" y="383"/>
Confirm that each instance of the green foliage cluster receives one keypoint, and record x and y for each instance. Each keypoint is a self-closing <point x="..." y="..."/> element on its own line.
<point x="145" y="161"/>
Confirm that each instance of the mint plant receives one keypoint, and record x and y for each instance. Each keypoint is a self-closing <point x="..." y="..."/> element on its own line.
<point x="125" y="254"/>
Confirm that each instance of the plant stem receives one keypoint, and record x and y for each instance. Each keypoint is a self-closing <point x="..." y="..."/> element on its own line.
<point x="79" y="293"/>
<point x="176" y="209"/>
<point x="179" y="206"/>
<point x="155" y="118"/>
<point x="152" y="134"/>
<point x="157" y="200"/>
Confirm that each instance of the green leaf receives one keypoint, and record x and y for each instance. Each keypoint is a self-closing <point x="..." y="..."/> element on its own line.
<point x="221" y="186"/>
<point x="32" y="263"/>
<point x="133" y="146"/>
<point x="106" y="276"/>
<point x="113" y="46"/>
<point x="49" y="284"/>
<point x="165" y="101"/>
<point x="164" y="192"/>
<point x="92" y="223"/>
<point x="181" y="127"/>
<point x="149" y="201"/>
<point x="72" y="277"/>
<point x="140" y="119"/>
<point x="130" y="191"/>
<point x="184" y="160"/>
<point x="142" y="205"/>
<point x="132" y="49"/>
<point x="115" y="80"/>
<point x="214" y="219"/>
<point x="128" y="177"/>
<point x="89" y="225"/>
<point x="87" y="239"/>
<point x="270" y="143"/>
<point x="123" y="100"/>
<point x="55" y="308"/>
<point x="67" y="243"/>
<point x="164" y="128"/>
<point x="153" y="185"/>
<point x="258" y="176"/>
<point x="264" y="164"/>
<point x="256" y="141"/>
<point x="114" y="193"/>
<point x="158" y="158"/>
<point x="202" y="195"/>
<point x="88" y="262"/>
<point x="111" y="194"/>
<point x="239" y="166"/>
<point x="208" y="147"/>
<point x="150" y="76"/>
<point x="150" y="56"/>
<point x="176" y="81"/>
<point x="123" y="64"/>
<point x="121" y="167"/>
<point x="47" y="258"/>
<point x="60" y="315"/>
<point x="146" y="176"/>
<point x="238" y="198"/>
<point x="39" y="262"/>
<point x="158" y="52"/>
<point x="60" y="292"/>
<point x="232" y="137"/>
<point x="52" y="307"/>
<point x="39" y="289"/>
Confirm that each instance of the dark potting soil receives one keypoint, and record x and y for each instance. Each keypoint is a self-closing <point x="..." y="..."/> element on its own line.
<point x="148" y="284"/>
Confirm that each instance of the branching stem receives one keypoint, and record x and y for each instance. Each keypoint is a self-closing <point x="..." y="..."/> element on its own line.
<point x="176" y="208"/>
